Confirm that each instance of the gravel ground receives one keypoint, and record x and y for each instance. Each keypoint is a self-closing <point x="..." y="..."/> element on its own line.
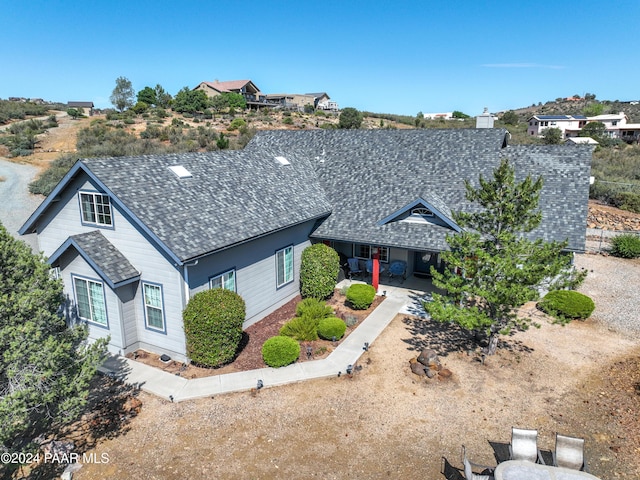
<point x="613" y="283"/>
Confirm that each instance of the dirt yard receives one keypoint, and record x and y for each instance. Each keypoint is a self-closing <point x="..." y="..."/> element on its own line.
<point x="582" y="379"/>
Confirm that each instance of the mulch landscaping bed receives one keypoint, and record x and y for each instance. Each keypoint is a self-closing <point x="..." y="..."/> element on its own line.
<point x="250" y="353"/>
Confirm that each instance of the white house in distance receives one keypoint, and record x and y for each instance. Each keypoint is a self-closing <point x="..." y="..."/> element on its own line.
<point x="438" y="116"/>
<point x="539" y="123"/>
<point x="616" y="125"/>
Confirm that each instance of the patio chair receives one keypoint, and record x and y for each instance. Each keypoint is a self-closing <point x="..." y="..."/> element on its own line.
<point x="368" y="266"/>
<point x="486" y="472"/>
<point x="569" y="453"/>
<point x="449" y="471"/>
<point x="524" y="445"/>
<point x="354" y="267"/>
<point x="397" y="268"/>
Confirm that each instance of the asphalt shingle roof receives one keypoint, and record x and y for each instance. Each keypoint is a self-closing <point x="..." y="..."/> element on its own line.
<point x="369" y="174"/>
<point x="231" y="197"/>
<point x="105" y="256"/>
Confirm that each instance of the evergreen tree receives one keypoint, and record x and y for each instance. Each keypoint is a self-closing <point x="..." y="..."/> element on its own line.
<point x="45" y="367"/>
<point x="493" y="268"/>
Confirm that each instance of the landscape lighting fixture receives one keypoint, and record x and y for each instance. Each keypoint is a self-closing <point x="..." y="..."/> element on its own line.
<point x="366" y="346"/>
<point x="260" y="384"/>
<point x="309" y="352"/>
<point x="349" y="369"/>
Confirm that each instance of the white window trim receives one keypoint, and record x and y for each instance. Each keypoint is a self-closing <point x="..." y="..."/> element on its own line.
<point x="92" y="320"/>
<point x="286" y="279"/>
<point x="223" y="279"/>
<point x="148" y="305"/>
<point x="95" y="214"/>
<point x="384" y="257"/>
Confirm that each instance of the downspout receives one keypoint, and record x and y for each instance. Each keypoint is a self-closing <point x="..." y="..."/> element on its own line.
<point x="185" y="276"/>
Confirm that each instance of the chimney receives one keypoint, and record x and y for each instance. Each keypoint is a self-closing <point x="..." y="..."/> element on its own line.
<point x="485" y="120"/>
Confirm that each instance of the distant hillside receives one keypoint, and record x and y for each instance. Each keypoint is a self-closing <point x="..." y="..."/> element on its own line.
<point x="576" y="107"/>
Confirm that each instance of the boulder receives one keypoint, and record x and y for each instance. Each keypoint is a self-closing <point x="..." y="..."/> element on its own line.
<point x="427" y="356"/>
<point x="417" y="367"/>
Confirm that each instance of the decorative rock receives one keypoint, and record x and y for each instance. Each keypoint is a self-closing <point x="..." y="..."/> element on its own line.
<point x="431" y="373"/>
<point x="445" y="373"/>
<point x="416" y="367"/>
<point x="427" y="356"/>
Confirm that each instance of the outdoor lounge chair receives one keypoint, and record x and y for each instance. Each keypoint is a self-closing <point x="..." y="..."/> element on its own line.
<point x="398" y="268"/>
<point x="569" y="453"/>
<point x="354" y="267"/>
<point x="368" y="265"/>
<point x="524" y="445"/>
<point x="486" y="472"/>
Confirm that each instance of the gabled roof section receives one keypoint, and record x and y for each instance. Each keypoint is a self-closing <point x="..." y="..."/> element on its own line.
<point x="233" y="86"/>
<point x="559" y="117"/>
<point x="112" y="266"/>
<point x="434" y="204"/>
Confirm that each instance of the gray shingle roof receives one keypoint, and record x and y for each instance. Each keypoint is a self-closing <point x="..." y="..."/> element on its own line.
<point x="102" y="255"/>
<point x="369" y="174"/>
<point x="231" y="197"/>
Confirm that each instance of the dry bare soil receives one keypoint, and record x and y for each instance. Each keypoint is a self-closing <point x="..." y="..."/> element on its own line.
<point x="582" y="379"/>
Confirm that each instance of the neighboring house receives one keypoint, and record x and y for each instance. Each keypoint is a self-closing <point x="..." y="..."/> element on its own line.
<point x="321" y="98"/>
<point x="438" y="116"/>
<point x="566" y="123"/>
<point x="86" y="108"/>
<point x="630" y="133"/>
<point x="133" y="239"/>
<point x="246" y="88"/>
<point x="292" y="101"/>
<point x="614" y="123"/>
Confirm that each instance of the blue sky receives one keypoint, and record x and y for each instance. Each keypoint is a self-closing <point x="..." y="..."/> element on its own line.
<point x="386" y="56"/>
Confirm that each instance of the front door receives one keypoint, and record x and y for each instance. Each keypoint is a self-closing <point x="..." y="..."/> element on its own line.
<point x="423" y="261"/>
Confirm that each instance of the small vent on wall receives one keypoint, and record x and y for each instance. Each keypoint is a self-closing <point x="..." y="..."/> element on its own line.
<point x="283" y="161"/>
<point x="180" y="172"/>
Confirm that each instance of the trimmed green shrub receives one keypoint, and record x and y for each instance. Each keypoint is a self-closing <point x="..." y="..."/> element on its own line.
<point x="319" y="269"/>
<point x="331" y="327"/>
<point x="361" y="295"/>
<point x="213" y="326"/>
<point x="567" y="305"/>
<point x="303" y="329"/>
<point x="313" y="308"/>
<point x="280" y="351"/>
<point x="626" y="245"/>
<point x="236" y="123"/>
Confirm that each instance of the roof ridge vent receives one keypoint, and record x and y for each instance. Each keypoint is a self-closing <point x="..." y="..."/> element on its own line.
<point x="282" y="160"/>
<point x="179" y="171"/>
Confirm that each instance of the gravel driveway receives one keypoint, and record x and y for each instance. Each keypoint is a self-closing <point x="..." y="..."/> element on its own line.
<point x="613" y="284"/>
<point x="16" y="203"/>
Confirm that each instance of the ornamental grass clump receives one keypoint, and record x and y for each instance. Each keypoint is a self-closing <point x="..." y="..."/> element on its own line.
<point x="332" y="328"/>
<point x="213" y="326"/>
<point x="626" y="245"/>
<point x="304" y="326"/>
<point x="280" y="351"/>
<point x="566" y="305"/>
<point x="361" y="296"/>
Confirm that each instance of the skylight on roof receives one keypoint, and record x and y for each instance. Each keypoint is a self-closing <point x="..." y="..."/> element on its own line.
<point x="180" y="172"/>
<point x="283" y="161"/>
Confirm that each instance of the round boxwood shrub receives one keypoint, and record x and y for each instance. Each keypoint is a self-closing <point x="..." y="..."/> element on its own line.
<point x="319" y="269"/>
<point x="567" y="304"/>
<point x="331" y="327"/>
<point x="361" y="295"/>
<point x="213" y="326"/>
<point x="626" y="245"/>
<point x="280" y="351"/>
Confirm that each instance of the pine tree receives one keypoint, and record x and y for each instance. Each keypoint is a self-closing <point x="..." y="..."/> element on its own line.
<point x="45" y="367"/>
<point x="493" y="268"/>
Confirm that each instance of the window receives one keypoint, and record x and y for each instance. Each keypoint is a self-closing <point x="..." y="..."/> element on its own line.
<point x="90" y="301"/>
<point x="284" y="266"/>
<point x="226" y="280"/>
<point x="154" y="313"/>
<point x="96" y="208"/>
<point x="364" y="251"/>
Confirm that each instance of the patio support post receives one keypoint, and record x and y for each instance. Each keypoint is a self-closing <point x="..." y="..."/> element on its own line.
<point x="375" y="270"/>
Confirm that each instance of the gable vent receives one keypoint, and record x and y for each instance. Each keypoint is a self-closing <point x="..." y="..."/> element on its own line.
<point x="180" y="172"/>
<point x="283" y="161"/>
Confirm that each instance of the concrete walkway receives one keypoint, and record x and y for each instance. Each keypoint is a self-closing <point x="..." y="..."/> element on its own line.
<point x="176" y="388"/>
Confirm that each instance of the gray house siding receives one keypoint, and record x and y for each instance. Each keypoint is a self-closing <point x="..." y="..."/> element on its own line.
<point x="64" y="219"/>
<point x="255" y="269"/>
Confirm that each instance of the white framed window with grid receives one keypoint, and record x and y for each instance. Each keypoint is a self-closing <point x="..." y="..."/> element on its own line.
<point x="90" y="301"/>
<point x="226" y="280"/>
<point x="361" y="250"/>
<point x="96" y="209"/>
<point x="284" y="266"/>
<point x="153" y="306"/>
